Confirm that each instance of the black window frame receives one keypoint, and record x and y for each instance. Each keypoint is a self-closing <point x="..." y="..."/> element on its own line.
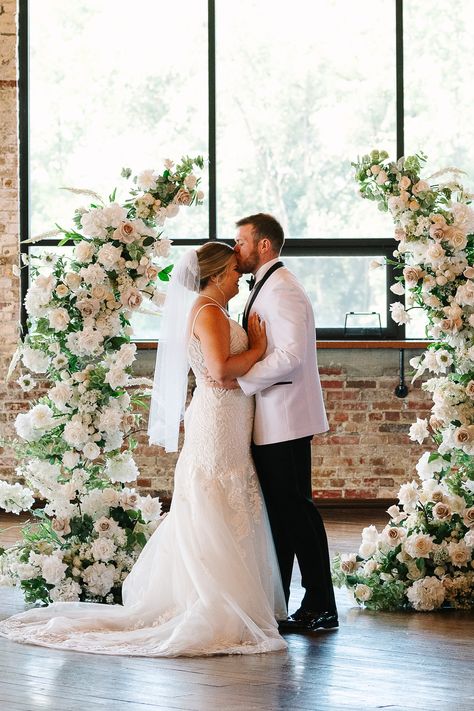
<point x="294" y="247"/>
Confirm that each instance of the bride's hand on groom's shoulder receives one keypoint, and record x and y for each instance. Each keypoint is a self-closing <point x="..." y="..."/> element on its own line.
<point x="257" y="335"/>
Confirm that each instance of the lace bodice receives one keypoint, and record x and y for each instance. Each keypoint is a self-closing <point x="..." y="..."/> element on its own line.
<point x="238" y="344"/>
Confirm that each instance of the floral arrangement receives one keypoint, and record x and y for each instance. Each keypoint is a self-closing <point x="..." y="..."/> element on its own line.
<point x="423" y="558"/>
<point x="76" y="442"/>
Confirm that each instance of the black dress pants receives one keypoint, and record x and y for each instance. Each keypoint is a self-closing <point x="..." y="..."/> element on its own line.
<point x="284" y="471"/>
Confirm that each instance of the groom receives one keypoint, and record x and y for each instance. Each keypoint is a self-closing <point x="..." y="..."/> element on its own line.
<point x="289" y="410"/>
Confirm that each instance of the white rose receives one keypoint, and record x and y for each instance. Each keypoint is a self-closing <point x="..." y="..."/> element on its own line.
<point x="126" y="355"/>
<point x="419" y="430"/>
<point x="366" y="549"/>
<point x="469" y="538"/>
<point x="91" y="451"/>
<point x="419" y="545"/>
<point x="468" y="516"/>
<point x="70" y="459"/>
<point x="73" y="280"/>
<point x="441" y="511"/>
<point x="398" y="313"/>
<point x="129" y="499"/>
<point x="392" y="536"/>
<point x="109" y="256"/>
<point x="370" y="567"/>
<point x="459" y="553"/>
<point x="89" y="341"/>
<point x="41" y="417"/>
<point x="426" y="469"/>
<point x="103" y="549"/>
<point x="88" y="307"/>
<point x="106" y="526"/>
<point x="349" y="563"/>
<point x="75" y="433"/>
<point x="116" y="377"/>
<point x="126" y="232"/>
<point x="362" y="592"/>
<point x="84" y="251"/>
<point x="435" y="254"/>
<point x="61" y="526"/>
<point x="370" y="534"/>
<point x="150" y="508"/>
<point x="397" y="288"/>
<point x="61" y="394"/>
<point x="395" y="514"/>
<point x="131" y="298"/>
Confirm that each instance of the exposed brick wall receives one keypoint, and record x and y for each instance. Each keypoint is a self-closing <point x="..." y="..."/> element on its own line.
<point x="10" y="398"/>
<point x="366" y="454"/>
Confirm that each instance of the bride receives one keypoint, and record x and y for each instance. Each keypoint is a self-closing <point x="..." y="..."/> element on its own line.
<point x="207" y="581"/>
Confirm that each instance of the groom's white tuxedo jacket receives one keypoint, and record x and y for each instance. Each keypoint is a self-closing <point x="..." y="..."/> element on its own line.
<point x="288" y="399"/>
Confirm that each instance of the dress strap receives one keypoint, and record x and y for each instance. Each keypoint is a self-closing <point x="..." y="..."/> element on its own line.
<point x="199" y="311"/>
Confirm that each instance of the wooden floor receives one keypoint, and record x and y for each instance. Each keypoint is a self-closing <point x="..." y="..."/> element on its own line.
<point x="399" y="662"/>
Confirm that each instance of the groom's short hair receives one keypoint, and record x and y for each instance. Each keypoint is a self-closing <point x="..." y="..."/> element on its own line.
<point x="265" y="226"/>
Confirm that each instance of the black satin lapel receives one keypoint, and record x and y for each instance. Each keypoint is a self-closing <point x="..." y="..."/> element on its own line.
<point x="245" y="319"/>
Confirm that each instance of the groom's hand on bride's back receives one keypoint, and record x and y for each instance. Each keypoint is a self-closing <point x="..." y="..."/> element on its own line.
<point x="226" y="384"/>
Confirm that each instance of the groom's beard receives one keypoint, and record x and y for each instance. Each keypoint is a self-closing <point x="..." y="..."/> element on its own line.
<point x="249" y="265"/>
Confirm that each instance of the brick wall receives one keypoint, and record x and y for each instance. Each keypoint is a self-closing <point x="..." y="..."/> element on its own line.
<point x="366" y="454"/>
<point x="9" y="285"/>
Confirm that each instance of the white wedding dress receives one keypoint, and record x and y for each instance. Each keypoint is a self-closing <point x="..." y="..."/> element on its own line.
<point x="207" y="582"/>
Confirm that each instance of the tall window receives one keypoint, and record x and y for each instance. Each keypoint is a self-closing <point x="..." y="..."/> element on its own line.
<point x="279" y="96"/>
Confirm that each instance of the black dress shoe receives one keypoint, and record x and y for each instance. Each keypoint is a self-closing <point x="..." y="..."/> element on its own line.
<point x="308" y="621"/>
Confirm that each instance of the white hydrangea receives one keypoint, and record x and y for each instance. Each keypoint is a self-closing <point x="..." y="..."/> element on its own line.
<point x="121" y="468"/>
<point x="24" y="428"/>
<point x="52" y="568"/>
<point x="426" y="593"/>
<point x="98" y="502"/>
<point x="15" y="497"/>
<point x="35" y="360"/>
<point x="94" y="223"/>
<point x="99" y="578"/>
<point x="67" y="590"/>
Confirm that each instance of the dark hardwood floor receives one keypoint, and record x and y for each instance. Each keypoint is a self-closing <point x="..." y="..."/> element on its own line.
<point x="400" y="662"/>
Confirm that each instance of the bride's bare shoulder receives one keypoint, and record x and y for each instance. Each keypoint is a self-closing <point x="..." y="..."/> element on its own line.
<point x="207" y="319"/>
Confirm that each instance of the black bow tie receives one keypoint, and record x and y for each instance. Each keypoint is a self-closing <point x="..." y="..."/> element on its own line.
<point x="251" y="282"/>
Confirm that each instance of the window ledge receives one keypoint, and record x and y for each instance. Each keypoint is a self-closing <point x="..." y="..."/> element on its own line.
<point x="342" y="344"/>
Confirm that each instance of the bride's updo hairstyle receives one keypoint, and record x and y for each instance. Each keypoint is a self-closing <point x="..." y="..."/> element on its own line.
<point x="213" y="259"/>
